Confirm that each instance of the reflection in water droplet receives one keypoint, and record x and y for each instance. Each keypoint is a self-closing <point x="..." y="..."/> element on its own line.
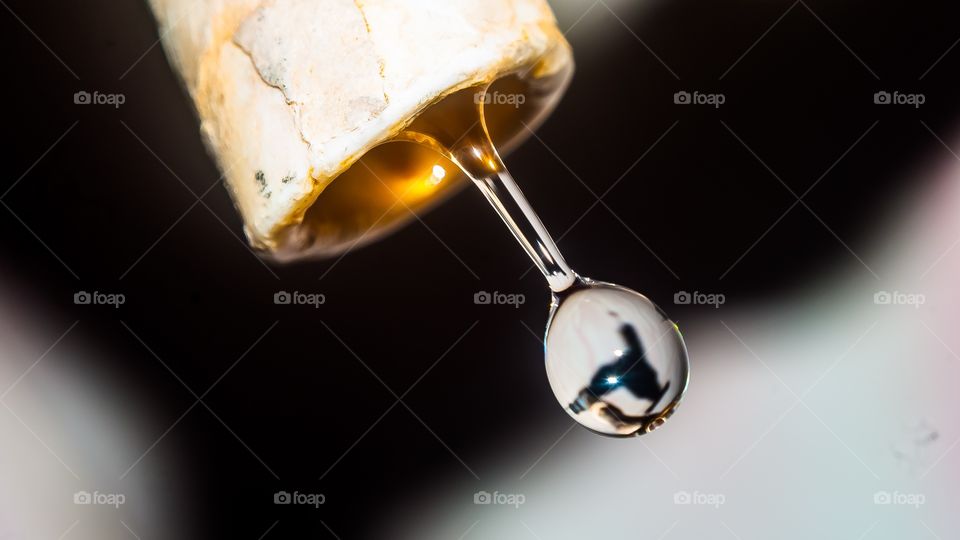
<point x="615" y="362"/>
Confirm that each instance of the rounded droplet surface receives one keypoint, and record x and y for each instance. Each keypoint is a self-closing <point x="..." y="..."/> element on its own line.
<point x="615" y="362"/>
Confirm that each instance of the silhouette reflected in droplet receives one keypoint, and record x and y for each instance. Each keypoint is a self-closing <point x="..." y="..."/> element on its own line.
<point x="630" y="370"/>
<point x="616" y="362"/>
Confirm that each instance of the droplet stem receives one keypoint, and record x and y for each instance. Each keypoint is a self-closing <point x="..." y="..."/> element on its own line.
<point x="475" y="154"/>
<point x="478" y="158"/>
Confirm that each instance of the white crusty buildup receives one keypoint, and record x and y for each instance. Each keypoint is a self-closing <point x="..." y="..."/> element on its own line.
<point x="290" y="93"/>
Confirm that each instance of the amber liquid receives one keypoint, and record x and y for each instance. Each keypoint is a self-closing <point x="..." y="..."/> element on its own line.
<point x="457" y="129"/>
<point x="426" y="161"/>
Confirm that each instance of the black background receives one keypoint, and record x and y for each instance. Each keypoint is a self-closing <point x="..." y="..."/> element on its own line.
<point x="298" y="400"/>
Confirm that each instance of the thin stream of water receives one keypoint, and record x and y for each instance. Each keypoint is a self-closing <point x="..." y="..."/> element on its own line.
<point x="615" y="362"/>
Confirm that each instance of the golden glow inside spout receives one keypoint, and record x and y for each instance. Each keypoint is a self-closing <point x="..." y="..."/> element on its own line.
<point x="423" y="186"/>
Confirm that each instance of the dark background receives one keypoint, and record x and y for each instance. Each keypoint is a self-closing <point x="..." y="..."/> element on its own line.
<point x="290" y="410"/>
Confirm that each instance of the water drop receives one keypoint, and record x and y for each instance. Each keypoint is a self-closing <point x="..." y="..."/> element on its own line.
<point x="615" y="362"/>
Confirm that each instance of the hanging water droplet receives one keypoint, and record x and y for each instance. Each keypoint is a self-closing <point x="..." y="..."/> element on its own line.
<point x="615" y="362"/>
